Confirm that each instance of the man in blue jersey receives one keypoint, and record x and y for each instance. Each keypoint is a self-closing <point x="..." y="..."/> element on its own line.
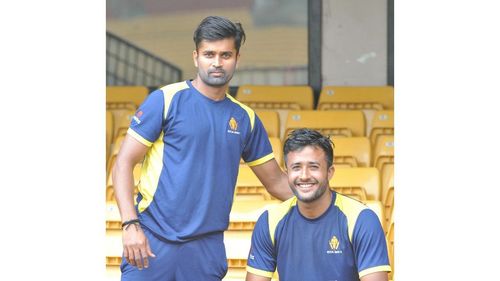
<point x="190" y="136"/>
<point x="318" y="234"/>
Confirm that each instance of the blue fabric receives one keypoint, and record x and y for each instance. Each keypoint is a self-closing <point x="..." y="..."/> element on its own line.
<point x="199" y="161"/>
<point x="304" y="249"/>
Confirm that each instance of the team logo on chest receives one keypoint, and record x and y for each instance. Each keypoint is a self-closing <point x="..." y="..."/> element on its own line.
<point x="233" y="126"/>
<point x="334" y="246"/>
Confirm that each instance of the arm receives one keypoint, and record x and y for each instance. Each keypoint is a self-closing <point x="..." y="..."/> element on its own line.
<point x="376" y="276"/>
<point x="254" y="277"/>
<point x="135" y="243"/>
<point x="274" y="179"/>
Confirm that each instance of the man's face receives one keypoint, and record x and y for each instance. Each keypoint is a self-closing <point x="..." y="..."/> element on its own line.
<point x="308" y="174"/>
<point x="216" y="61"/>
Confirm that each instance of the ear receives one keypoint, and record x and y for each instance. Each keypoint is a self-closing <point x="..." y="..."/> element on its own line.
<point x="331" y="171"/>
<point x="195" y="58"/>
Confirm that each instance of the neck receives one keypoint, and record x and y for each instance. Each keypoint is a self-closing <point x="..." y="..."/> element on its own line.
<point x="214" y="93"/>
<point x="316" y="208"/>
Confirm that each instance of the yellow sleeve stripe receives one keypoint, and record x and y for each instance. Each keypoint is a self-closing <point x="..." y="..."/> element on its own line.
<point x="138" y="137"/>
<point x="374" y="269"/>
<point x="261" y="160"/>
<point x="277" y="212"/>
<point x="250" y="112"/>
<point x="169" y="92"/>
<point x="260" y="272"/>
<point x="351" y="209"/>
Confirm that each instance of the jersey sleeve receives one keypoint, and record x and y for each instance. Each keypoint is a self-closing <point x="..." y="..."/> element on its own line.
<point x="147" y="123"/>
<point x="369" y="244"/>
<point x="262" y="258"/>
<point x="258" y="149"/>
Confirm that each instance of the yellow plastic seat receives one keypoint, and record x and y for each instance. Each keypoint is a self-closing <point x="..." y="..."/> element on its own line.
<point x="122" y="118"/>
<point x="109" y="131"/>
<point x="388" y="195"/>
<point x="378" y="208"/>
<point x="110" y="191"/>
<point x="390" y="247"/>
<point x="356" y="97"/>
<point x="244" y="213"/>
<point x="248" y="186"/>
<point x="122" y="96"/>
<point x="277" y="150"/>
<point x="365" y="98"/>
<point x="271" y="121"/>
<point x="382" y="124"/>
<point x="351" y="152"/>
<point x="276" y="97"/>
<point x="359" y="183"/>
<point x="384" y="158"/>
<point x="334" y="123"/>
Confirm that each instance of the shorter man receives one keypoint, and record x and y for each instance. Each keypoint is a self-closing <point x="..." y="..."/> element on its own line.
<point x="318" y="234"/>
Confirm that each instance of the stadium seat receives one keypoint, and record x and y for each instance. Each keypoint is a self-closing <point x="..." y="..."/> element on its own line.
<point x="382" y="124"/>
<point x="124" y="96"/>
<point x="384" y="158"/>
<point x="244" y="213"/>
<point x="390" y="247"/>
<point x="356" y="97"/>
<point x="388" y="195"/>
<point x="280" y="99"/>
<point x="378" y="208"/>
<point x="359" y="183"/>
<point x="334" y="123"/>
<point x="110" y="191"/>
<point x="109" y="132"/>
<point x="276" y="97"/>
<point x="367" y="99"/>
<point x="122" y="119"/>
<point x="351" y="152"/>
<point x="277" y="150"/>
<point x="115" y="148"/>
<point x="271" y="121"/>
<point x="248" y="186"/>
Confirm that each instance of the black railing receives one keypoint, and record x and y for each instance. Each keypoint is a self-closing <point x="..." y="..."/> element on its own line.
<point x="127" y="64"/>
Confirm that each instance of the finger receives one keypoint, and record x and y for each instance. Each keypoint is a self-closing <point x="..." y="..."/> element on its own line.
<point x="148" y="250"/>
<point x="145" y="258"/>
<point x="131" y="257"/>
<point x="125" y="254"/>
<point x="138" y="258"/>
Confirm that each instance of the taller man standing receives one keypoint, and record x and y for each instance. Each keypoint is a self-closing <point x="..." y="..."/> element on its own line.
<point x="190" y="136"/>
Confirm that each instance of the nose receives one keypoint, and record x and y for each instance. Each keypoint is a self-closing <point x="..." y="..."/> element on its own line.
<point x="304" y="174"/>
<point x="217" y="62"/>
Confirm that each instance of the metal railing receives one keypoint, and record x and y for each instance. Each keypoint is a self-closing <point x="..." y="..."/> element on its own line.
<point x="127" y="64"/>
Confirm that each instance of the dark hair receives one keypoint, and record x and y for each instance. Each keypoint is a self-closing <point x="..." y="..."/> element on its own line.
<point x="300" y="138"/>
<point x="214" y="28"/>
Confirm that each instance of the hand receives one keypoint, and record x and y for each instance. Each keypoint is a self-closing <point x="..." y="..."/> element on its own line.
<point x="136" y="246"/>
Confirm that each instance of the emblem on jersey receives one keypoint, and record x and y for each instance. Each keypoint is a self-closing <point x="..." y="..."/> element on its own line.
<point x="233" y="125"/>
<point x="334" y="245"/>
<point x="136" y="117"/>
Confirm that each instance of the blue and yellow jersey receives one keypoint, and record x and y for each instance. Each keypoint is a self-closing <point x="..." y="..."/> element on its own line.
<point x="189" y="172"/>
<point x="345" y="243"/>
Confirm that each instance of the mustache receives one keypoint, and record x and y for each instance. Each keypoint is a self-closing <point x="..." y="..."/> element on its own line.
<point x="216" y="71"/>
<point x="311" y="181"/>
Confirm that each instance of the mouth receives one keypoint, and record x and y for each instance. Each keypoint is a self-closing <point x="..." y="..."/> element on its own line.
<point x="305" y="186"/>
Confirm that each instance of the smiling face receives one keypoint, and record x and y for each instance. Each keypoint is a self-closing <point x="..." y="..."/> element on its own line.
<point x="308" y="173"/>
<point x="216" y="61"/>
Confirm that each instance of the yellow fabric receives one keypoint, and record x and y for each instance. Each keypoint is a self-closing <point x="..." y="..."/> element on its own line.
<point x="276" y="213"/>
<point x="250" y="112"/>
<point x="259" y="272"/>
<point x="261" y="160"/>
<point x="374" y="269"/>
<point x="351" y="209"/>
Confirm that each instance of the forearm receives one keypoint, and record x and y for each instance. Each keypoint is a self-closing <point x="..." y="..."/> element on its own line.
<point x="123" y="184"/>
<point x="280" y="189"/>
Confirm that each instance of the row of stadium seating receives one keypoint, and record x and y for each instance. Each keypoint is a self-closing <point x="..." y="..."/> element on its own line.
<point x="364" y="158"/>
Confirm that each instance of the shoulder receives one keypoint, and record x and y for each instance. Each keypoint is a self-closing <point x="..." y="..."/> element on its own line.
<point x="277" y="212"/>
<point x="172" y="89"/>
<point x="249" y="111"/>
<point x="351" y="209"/>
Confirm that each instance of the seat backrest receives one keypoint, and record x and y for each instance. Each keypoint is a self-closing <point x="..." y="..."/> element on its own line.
<point x="244" y="213"/>
<point x="356" y="97"/>
<point x="109" y="131"/>
<point x="352" y="151"/>
<point x="126" y="94"/>
<point x="378" y="208"/>
<point x="382" y="124"/>
<point x="271" y="121"/>
<point x="337" y="123"/>
<point x="366" y="178"/>
<point x="277" y="150"/>
<point x="384" y="151"/>
<point x="276" y="97"/>
<point x="248" y="186"/>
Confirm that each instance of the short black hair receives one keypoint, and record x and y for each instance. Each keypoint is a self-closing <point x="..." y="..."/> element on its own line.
<point x="213" y="28"/>
<point x="300" y="138"/>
